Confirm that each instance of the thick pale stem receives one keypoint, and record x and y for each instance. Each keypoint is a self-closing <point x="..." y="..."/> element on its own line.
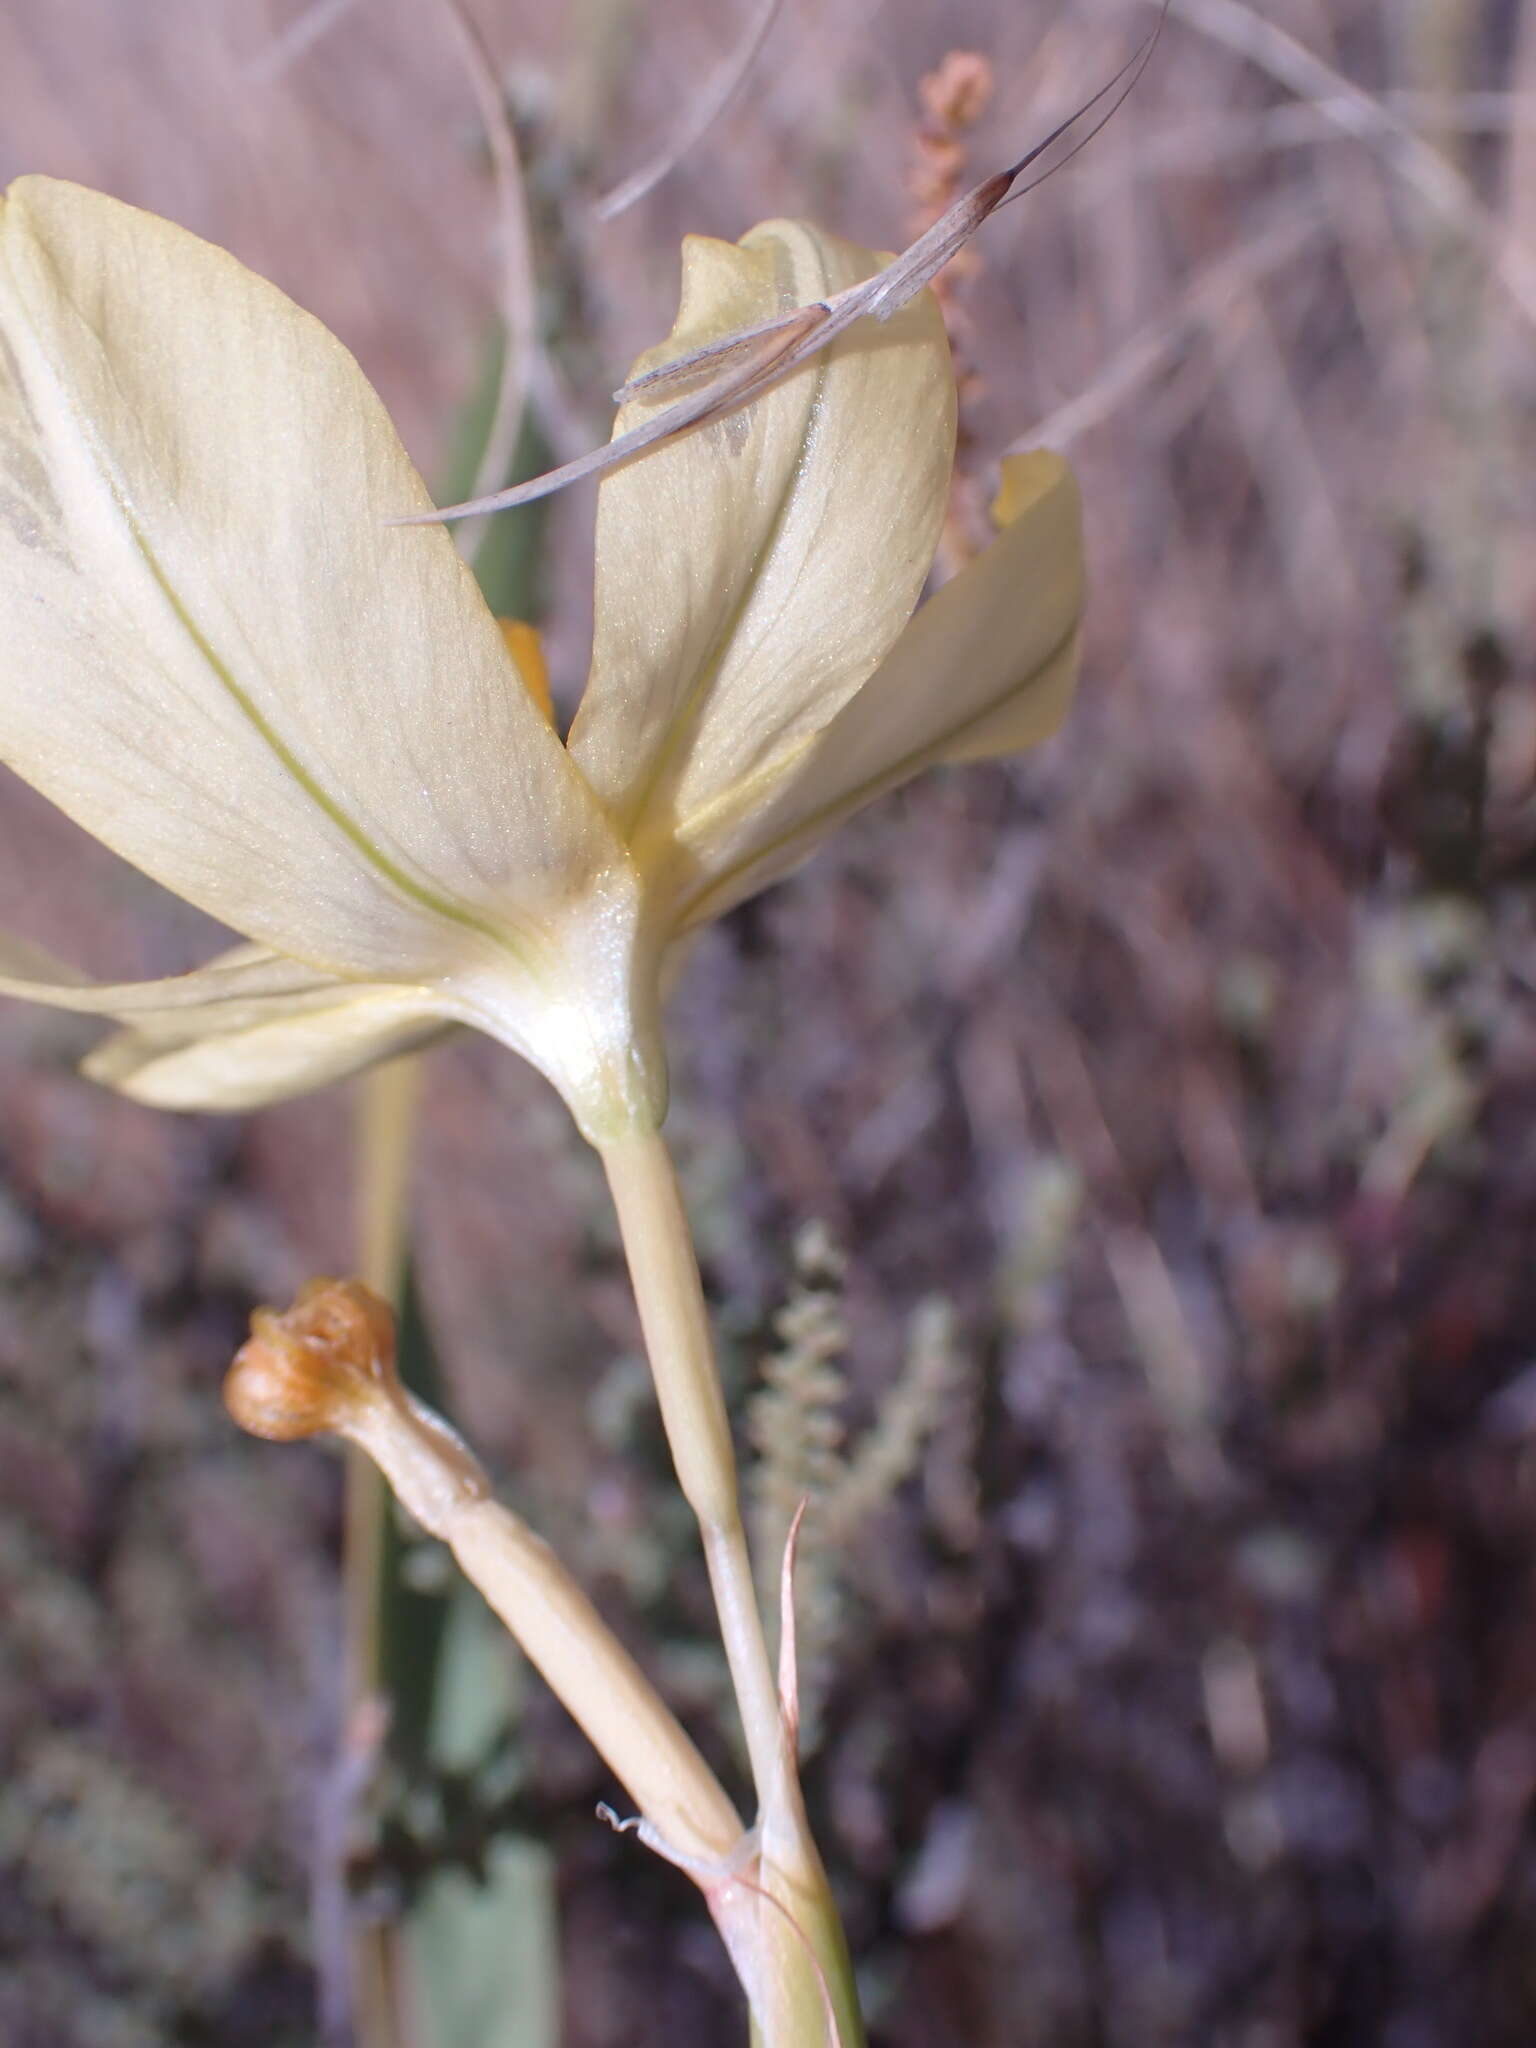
<point x="582" y="1661"/>
<point x="599" y="1682"/>
<point x="385" y="1143"/>
<point x="386" y="1121"/>
<point x="791" y="1995"/>
<point x="659" y="1247"/>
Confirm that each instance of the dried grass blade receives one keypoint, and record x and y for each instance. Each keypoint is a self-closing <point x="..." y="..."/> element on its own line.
<point x="741" y="383"/>
<point x="745" y="378"/>
<point x="750" y="348"/>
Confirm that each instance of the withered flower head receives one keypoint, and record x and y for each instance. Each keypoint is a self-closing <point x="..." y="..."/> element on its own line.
<point x="328" y="1364"/>
<point x="315" y="1366"/>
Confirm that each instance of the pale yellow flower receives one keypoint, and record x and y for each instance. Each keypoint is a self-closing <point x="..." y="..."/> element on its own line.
<point x="218" y="656"/>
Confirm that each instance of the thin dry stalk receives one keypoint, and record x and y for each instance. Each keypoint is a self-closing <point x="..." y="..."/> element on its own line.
<point x="697" y="120"/>
<point x="517" y="293"/>
<point x="298" y="38"/>
<point x="1133" y="365"/>
<point x="1423" y="169"/>
<point x="1178" y="1374"/>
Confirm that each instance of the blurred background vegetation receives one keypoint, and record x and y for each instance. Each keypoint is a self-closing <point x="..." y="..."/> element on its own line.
<point x="1153" y="1115"/>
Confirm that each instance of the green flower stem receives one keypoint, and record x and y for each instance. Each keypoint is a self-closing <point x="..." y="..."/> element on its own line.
<point x="797" y="2004"/>
<point x="386" y="1126"/>
<point x="386" y="1122"/>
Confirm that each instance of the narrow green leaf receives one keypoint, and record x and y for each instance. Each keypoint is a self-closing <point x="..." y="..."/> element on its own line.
<point x="483" y="1949"/>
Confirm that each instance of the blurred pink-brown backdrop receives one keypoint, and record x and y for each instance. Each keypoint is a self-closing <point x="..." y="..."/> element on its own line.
<point x="1188" y="1692"/>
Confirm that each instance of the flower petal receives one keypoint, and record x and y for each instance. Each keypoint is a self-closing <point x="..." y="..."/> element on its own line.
<point x="217" y="656"/>
<point x="247" y="1029"/>
<point x="987" y="666"/>
<point x="751" y="574"/>
<point x="243" y="975"/>
<point x="267" y="1059"/>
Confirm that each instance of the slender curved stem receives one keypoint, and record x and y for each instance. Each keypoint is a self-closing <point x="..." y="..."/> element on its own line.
<point x="659" y="1247"/>
<point x="805" y="1969"/>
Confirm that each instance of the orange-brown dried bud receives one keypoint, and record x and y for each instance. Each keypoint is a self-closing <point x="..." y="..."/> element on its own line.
<point x="956" y="95"/>
<point x="316" y="1366"/>
<point x="941" y="158"/>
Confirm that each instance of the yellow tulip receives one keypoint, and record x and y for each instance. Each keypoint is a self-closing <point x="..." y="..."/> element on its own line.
<point x="219" y="656"/>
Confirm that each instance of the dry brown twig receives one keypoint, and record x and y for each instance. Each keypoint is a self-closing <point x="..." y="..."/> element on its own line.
<point x="697" y="120"/>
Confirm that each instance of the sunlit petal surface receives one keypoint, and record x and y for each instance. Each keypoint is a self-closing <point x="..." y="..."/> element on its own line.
<point x="751" y="574"/>
<point x="987" y="666"/>
<point x="219" y="658"/>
